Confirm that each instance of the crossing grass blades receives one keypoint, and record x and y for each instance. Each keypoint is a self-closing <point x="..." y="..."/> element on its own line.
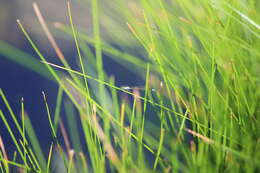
<point x="198" y="110"/>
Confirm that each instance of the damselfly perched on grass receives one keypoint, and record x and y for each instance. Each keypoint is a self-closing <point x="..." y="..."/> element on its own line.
<point x="141" y="87"/>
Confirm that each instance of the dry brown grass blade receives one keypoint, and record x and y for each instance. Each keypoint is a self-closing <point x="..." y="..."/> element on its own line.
<point x="65" y="136"/>
<point x="204" y="138"/>
<point x="47" y="32"/>
<point x="137" y="96"/>
<point x="2" y="147"/>
<point x="111" y="154"/>
<point x="71" y="160"/>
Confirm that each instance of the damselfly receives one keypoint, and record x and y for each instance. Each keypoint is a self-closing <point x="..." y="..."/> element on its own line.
<point x="140" y="87"/>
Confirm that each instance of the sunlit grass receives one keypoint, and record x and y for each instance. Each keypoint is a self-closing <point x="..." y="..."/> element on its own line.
<point x="198" y="110"/>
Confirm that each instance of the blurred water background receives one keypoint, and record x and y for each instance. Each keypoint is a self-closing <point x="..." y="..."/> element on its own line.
<point x="17" y="81"/>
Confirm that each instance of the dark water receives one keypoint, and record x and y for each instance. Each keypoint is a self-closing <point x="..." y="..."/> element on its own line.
<point x="17" y="82"/>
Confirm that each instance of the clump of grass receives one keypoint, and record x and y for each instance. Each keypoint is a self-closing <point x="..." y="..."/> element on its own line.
<point x="197" y="112"/>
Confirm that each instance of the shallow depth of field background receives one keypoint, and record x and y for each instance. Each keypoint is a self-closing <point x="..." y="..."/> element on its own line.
<point x="17" y="81"/>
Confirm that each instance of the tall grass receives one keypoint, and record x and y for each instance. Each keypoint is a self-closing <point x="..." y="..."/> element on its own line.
<point x="198" y="110"/>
